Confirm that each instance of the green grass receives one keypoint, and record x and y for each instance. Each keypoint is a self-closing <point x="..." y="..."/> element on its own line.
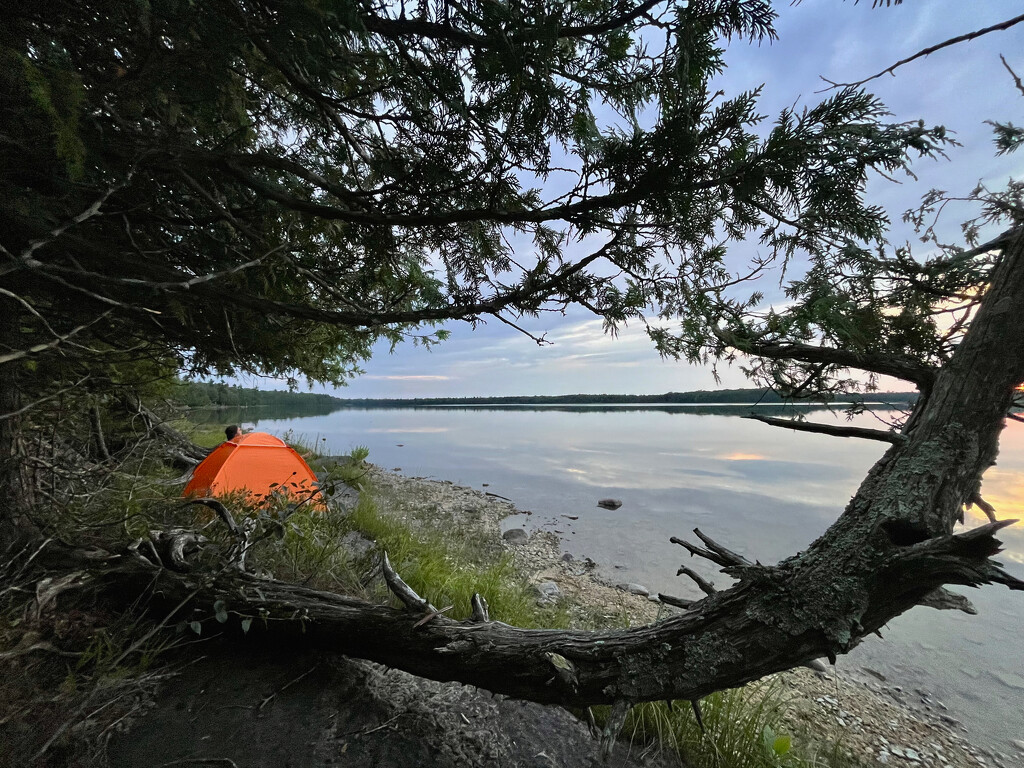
<point x="204" y="435"/>
<point x="743" y="728"/>
<point x="441" y="566"/>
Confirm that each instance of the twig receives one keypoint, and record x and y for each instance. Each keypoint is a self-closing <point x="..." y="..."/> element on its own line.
<point x="365" y="731"/>
<point x="984" y="506"/>
<point x="677" y="602"/>
<point x="1016" y="78"/>
<point x="431" y="615"/>
<point x="715" y="552"/>
<point x="930" y="50"/>
<point x="705" y="586"/>
<point x="285" y="687"/>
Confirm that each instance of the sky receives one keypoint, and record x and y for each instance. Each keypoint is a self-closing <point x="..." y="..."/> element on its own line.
<point x="960" y="87"/>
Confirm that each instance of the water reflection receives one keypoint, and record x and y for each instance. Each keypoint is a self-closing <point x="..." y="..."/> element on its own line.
<point x="761" y="490"/>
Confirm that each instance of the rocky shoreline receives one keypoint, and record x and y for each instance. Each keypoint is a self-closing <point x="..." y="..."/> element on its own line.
<point x="876" y="722"/>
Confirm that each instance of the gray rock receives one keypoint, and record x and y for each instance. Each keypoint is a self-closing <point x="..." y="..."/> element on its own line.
<point x="356" y="544"/>
<point x="609" y="503"/>
<point x="567" y="558"/>
<point x="547" y="591"/>
<point x="515" y="536"/>
<point x="635" y="589"/>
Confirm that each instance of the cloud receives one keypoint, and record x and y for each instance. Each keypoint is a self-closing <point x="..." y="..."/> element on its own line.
<point x="419" y="377"/>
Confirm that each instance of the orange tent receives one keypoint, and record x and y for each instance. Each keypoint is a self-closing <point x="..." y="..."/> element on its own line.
<point x="254" y="462"/>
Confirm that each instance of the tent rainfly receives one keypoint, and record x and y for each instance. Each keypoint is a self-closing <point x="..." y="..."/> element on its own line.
<point x="254" y="462"/>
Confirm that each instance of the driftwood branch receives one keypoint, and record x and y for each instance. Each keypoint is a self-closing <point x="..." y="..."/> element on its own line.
<point x="730" y="561"/>
<point x="892" y="548"/>
<point x="401" y="590"/>
<point x="830" y="429"/>
<point x="480" y="610"/>
<point x="705" y="586"/>
<point x="676" y="602"/>
<point x="769" y="624"/>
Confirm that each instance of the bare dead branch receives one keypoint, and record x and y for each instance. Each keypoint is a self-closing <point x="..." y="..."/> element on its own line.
<point x="944" y="600"/>
<point x="831" y="429"/>
<point x="676" y="602"/>
<point x="705" y="586"/>
<point x="40" y="401"/>
<point x="1016" y="78"/>
<point x="403" y="591"/>
<point x="695" y="705"/>
<point x="35" y="349"/>
<point x="1004" y="25"/>
<point x="715" y="552"/>
<point x="480" y="610"/>
<point x="984" y="506"/>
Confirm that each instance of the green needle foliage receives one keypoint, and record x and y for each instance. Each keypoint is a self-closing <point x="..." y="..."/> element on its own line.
<point x="266" y="187"/>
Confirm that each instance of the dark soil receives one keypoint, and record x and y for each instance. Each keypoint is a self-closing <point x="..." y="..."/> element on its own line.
<point x="267" y="710"/>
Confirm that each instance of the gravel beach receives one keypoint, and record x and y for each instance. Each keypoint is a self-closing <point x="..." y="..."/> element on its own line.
<point x="873" y="719"/>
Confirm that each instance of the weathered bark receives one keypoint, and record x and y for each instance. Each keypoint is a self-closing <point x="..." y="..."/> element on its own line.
<point x="16" y="487"/>
<point x="891" y="549"/>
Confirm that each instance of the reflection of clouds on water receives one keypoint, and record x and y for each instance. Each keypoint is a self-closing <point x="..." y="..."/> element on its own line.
<point x="764" y="492"/>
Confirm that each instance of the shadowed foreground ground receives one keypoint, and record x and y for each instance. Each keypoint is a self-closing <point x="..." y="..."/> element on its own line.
<point x="262" y="711"/>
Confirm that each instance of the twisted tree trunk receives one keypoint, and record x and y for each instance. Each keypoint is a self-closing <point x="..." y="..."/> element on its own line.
<point x="15" y="482"/>
<point x="891" y="549"/>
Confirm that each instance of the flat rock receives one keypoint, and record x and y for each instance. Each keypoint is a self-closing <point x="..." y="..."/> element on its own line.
<point x="635" y="589"/>
<point x="356" y="544"/>
<point x="515" y="536"/>
<point x="547" y="591"/>
<point x="610" y="503"/>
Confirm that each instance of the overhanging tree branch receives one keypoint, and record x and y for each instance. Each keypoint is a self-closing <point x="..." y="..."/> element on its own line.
<point x="830" y="429"/>
<point x="899" y="367"/>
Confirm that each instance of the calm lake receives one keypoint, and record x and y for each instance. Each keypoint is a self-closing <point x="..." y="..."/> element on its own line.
<point x="763" y="491"/>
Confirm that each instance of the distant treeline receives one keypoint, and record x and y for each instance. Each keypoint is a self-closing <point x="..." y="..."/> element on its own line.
<point x="744" y="396"/>
<point x="193" y="394"/>
<point x="202" y="394"/>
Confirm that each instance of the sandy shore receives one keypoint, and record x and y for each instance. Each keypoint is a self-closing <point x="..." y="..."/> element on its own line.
<point x="877" y="722"/>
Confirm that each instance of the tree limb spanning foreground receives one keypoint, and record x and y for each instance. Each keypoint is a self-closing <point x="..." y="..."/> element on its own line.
<point x="891" y="549"/>
<point x="274" y="188"/>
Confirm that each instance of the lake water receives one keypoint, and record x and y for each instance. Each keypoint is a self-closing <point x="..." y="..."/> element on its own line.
<point x="763" y="491"/>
